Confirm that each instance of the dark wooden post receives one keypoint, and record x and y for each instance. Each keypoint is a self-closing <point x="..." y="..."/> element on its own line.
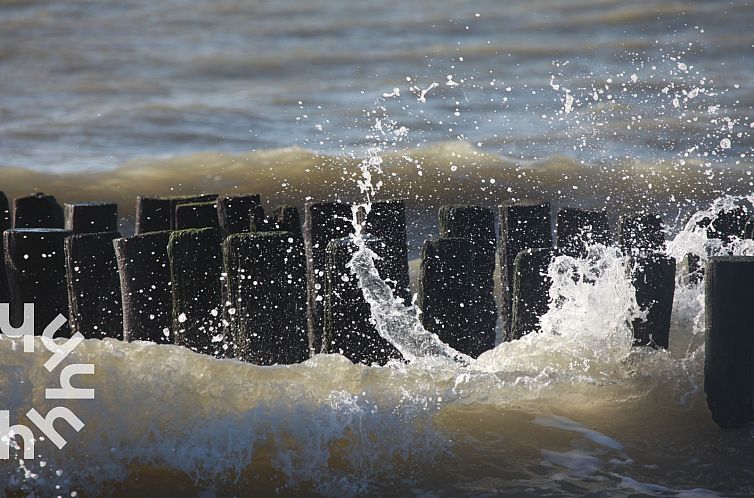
<point x="477" y="224"/>
<point x="641" y="233"/>
<point x="579" y="228"/>
<point x="259" y="222"/>
<point x="653" y="277"/>
<point x="728" y="369"/>
<point x="94" y="299"/>
<point x="449" y="293"/>
<point x="5" y="219"/>
<point x="348" y="329"/>
<point x="154" y="214"/>
<point x="531" y="288"/>
<point x="35" y="264"/>
<point x="523" y="225"/>
<point x="234" y="212"/>
<point x="727" y="226"/>
<point x="749" y="228"/>
<point x="323" y="222"/>
<point x="287" y="219"/>
<point x="387" y="221"/>
<point x="196" y="271"/>
<point x="144" y="270"/>
<point x="196" y="215"/>
<point x="5" y="224"/>
<point x="267" y="296"/>
<point x="91" y="217"/>
<point x="37" y="211"/>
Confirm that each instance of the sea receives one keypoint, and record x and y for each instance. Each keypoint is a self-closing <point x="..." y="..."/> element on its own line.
<point x="645" y="105"/>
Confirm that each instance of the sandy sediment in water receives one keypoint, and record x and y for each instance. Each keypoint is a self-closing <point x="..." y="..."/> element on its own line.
<point x="426" y="177"/>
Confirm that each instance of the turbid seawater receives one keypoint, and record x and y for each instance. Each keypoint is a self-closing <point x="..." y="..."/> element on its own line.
<point x="598" y="104"/>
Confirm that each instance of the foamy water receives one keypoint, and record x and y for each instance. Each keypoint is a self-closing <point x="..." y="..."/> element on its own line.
<point x="573" y="409"/>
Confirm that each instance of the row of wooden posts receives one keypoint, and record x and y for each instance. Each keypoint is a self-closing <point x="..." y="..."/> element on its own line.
<point x="218" y="275"/>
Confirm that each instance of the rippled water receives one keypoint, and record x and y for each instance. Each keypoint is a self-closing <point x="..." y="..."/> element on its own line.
<point x="93" y="84"/>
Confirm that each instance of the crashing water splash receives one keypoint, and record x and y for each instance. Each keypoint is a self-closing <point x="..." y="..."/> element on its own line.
<point x="395" y="322"/>
<point x="592" y="301"/>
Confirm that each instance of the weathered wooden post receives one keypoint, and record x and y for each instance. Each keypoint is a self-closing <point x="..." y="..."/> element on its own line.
<point x="523" y="225"/>
<point x="35" y="264"/>
<point x="91" y="217"/>
<point x="477" y="224"/>
<point x="144" y="270"/>
<point x="653" y="277"/>
<point x="449" y="293"/>
<point x="726" y="226"/>
<point x="94" y="299"/>
<point x="728" y="362"/>
<point x="234" y="212"/>
<point x="641" y="233"/>
<point x="323" y="222"/>
<point x="287" y="219"/>
<point x="387" y="221"/>
<point x="267" y="295"/>
<point x="196" y="270"/>
<point x="154" y="214"/>
<point x="749" y="228"/>
<point x="5" y="219"/>
<point x="5" y="224"/>
<point x="196" y="215"/>
<point x="579" y="228"/>
<point x="531" y="290"/>
<point x="259" y="222"/>
<point x="37" y="211"/>
<point x="348" y="328"/>
<point x="652" y="273"/>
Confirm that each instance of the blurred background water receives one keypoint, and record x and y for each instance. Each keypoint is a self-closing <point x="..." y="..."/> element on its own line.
<point x="93" y="84"/>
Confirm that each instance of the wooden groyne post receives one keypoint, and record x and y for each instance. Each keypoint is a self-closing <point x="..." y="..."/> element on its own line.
<point x="579" y="228"/>
<point x="448" y="293"/>
<point x="323" y="222"/>
<point x="640" y="233"/>
<point x="5" y="224"/>
<point x="36" y="272"/>
<point x="234" y="212"/>
<point x="477" y="224"/>
<point x="523" y="225"/>
<point x="726" y="226"/>
<point x="267" y="297"/>
<point x="652" y="273"/>
<point x="196" y="270"/>
<point x="386" y="221"/>
<point x="94" y="298"/>
<point x="348" y="329"/>
<point x="653" y="277"/>
<point x="287" y="219"/>
<point x="37" y="210"/>
<point x="146" y="294"/>
<point x="196" y="215"/>
<point x="531" y="288"/>
<point x="729" y="357"/>
<point x="155" y="214"/>
<point x="91" y="217"/>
